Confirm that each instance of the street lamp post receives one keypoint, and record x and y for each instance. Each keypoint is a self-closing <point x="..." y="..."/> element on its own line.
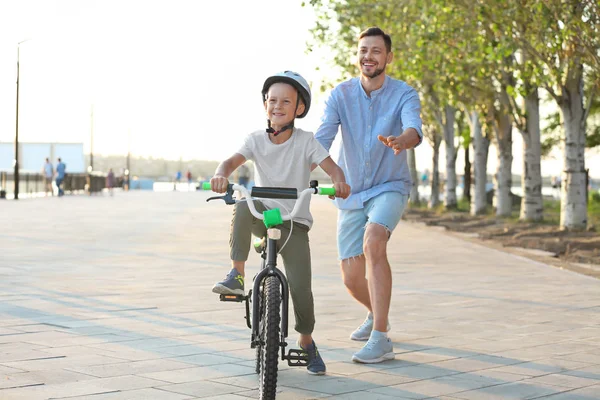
<point x="92" y="139"/>
<point x="16" y="162"/>
<point x="128" y="170"/>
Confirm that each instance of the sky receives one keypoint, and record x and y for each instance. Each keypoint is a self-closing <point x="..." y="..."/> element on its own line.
<point x="179" y="78"/>
<point x="164" y="78"/>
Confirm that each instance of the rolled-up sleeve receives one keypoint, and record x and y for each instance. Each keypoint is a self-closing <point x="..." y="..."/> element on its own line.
<point x="330" y="122"/>
<point x="411" y="114"/>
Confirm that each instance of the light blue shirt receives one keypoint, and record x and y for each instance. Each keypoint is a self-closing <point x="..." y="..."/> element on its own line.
<point x="60" y="170"/>
<point x="370" y="167"/>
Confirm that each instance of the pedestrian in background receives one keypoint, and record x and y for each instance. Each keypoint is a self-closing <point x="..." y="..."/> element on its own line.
<point x="110" y="181"/>
<point x="48" y="171"/>
<point x="61" y="168"/>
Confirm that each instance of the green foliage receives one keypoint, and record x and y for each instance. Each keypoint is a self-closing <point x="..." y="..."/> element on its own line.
<point x="463" y="132"/>
<point x="593" y="137"/>
<point x="514" y="45"/>
<point x="552" y="133"/>
<point x="594" y="210"/>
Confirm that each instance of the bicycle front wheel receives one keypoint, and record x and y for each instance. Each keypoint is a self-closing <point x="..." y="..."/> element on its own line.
<point x="269" y="332"/>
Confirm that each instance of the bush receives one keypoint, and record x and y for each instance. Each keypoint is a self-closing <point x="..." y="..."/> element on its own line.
<point x="594" y="197"/>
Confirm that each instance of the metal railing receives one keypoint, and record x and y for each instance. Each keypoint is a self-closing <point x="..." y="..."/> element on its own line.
<point x="34" y="184"/>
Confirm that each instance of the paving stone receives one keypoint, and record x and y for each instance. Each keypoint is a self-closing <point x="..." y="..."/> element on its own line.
<point x="131" y="314"/>
<point x="202" y="388"/>
<point x="565" y="380"/>
<point x="141" y="394"/>
<point x="587" y="393"/>
<point x="126" y="368"/>
<point x="201" y="373"/>
<point x="434" y="387"/>
<point x="517" y="390"/>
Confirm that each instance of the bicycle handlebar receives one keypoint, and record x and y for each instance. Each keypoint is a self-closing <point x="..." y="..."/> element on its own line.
<point x="275" y="193"/>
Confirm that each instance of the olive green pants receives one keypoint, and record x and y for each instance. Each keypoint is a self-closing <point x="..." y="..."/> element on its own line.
<point x="295" y="256"/>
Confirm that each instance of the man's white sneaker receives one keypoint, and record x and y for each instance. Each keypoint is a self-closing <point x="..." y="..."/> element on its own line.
<point x="363" y="332"/>
<point x="375" y="351"/>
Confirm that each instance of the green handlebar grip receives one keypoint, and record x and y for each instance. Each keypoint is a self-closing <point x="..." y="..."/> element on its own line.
<point x="206" y="186"/>
<point x="328" y="191"/>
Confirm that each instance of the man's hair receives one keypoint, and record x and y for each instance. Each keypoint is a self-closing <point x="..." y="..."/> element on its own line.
<point x="376" y="31"/>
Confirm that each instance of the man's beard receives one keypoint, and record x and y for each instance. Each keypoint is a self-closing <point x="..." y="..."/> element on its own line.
<point x="375" y="73"/>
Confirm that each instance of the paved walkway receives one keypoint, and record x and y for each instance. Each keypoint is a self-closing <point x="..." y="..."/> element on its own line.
<point x="109" y="298"/>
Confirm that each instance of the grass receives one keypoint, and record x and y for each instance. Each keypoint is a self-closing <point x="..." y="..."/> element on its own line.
<point x="551" y="211"/>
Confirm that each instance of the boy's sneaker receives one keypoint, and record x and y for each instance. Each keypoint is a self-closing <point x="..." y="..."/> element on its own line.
<point x="363" y="332"/>
<point x="375" y="350"/>
<point x="232" y="284"/>
<point x="316" y="365"/>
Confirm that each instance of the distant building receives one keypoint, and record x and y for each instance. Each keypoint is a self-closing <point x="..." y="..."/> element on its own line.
<point x="33" y="154"/>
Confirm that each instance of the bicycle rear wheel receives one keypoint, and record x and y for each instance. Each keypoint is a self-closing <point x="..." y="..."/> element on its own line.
<point x="269" y="333"/>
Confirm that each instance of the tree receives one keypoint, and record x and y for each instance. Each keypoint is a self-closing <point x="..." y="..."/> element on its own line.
<point x="433" y="135"/>
<point x="562" y="41"/>
<point x="481" y="145"/>
<point x="412" y="165"/>
<point x="465" y="143"/>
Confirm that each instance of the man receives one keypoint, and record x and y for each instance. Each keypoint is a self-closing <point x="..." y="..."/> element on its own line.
<point x="379" y="118"/>
<point x="48" y="174"/>
<point x="60" y="176"/>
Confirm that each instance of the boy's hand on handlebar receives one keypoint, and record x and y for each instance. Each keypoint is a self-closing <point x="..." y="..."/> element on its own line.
<point x="342" y="189"/>
<point x="218" y="184"/>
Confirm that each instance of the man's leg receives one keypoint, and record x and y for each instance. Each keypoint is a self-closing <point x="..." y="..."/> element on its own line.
<point x="380" y="274"/>
<point x="350" y="233"/>
<point x="383" y="212"/>
<point x="354" y="277"/>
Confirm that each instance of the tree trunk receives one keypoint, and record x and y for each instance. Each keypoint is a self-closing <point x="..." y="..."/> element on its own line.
<point x="467" y="174"/>
<point x="532" y="206"/>
<point x="412" y="165"/>
<point x="434" y="200"/>
<point x="481" y="145"/>
<point x="573" y="203"/>
<point x="450" y="196"/>
<point x="503" y="176"/>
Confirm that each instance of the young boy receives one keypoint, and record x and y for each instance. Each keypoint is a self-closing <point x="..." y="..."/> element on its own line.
<point x="283" y="156"/>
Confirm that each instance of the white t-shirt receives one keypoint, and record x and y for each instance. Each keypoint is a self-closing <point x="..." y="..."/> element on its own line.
<point x="284" y="165"/>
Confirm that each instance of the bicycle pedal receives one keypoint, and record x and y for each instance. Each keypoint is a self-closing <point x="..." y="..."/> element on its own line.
<point x="233" y="297"/>
<point x="297" y="358"/>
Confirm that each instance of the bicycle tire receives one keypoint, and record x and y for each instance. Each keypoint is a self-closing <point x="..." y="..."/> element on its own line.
<point x="261" y="324"/>
<point x="270" y="329"/>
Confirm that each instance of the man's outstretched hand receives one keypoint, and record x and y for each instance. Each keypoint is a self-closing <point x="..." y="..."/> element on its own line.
<point x="396" y="143"/>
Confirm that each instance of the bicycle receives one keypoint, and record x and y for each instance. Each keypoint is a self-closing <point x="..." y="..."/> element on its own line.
<point x="269" y="295"/>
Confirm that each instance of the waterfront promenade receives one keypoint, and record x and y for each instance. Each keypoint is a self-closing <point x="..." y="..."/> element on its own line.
<point x="109" y="298"/>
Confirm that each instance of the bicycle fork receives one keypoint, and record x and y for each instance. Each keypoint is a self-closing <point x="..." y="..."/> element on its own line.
<point x="270" y="270"/>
